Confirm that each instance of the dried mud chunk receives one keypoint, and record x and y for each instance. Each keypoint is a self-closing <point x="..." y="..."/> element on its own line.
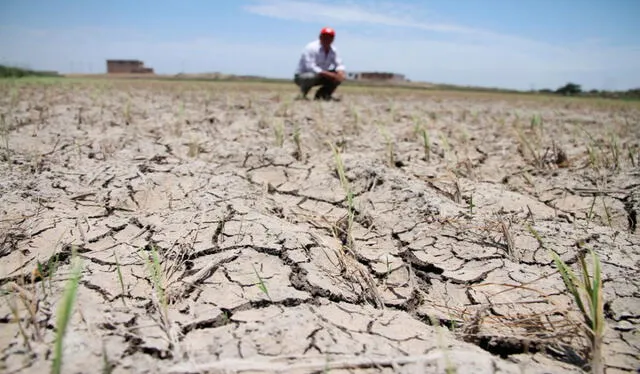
<point x="396" y="327"/>
<point x="621" y="288"/>
<point x="322" y="275"/>
<point x="472" y="251"/>
<point x="173" y="231"/>
<point x="444" y="301"/>
<point x="253" y="270"/>
<point x="387" y="264"/>
<point x="578" y="205"/>
<point x="345" y="316"/>
<point x="41" y="248"/>
<point x="38" y="225"/>
<point x="473" y="271"/>
<point x="526" y="246"/>
<point x="153" y="200"/>
<point x="319" y="187"/>
<point x="418" y="240"/>
<point x="528" y="310"/>
<point x="556" y="236"/>
<point x="97" y="232"/>
<point x="81" y="353"/>
<point x="100" y="285"/>
<point x="255" y="229"/>
<point x="91" y="210"/>
<point x="132" y="235"/>
<point x="321" y="208"/>
<point x="204" y="345"/>
<point x="133" y="361"/>
<point x="121" y="199"/>
<point x="191" y="315"/>
<point x="619" y="354"/>
<point x="395" y="289"/>
<point x="363" y="174"/>
<point x="189" y="276"/>
<point x="373" y="249"/>
<point x="441" y="260"/>
<point x="278" y="156"/>
<point x="259" y="342"/>
<point x="257" y="315"/>
<point x="621" y="257"/>
<point x="403" y="203"/>
<point x="11" y="338"/>
<point x="274" y="175"/>
<point x="297" y="256"/>
<point x="625" y="308"/>
<point x="218" y="290"/>
<point x="493" y="196"/>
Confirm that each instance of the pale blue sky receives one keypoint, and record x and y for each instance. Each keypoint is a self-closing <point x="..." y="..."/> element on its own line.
<point x="502" y="43"/>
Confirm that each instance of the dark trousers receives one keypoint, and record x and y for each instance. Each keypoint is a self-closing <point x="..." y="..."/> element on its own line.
<point x="306" y="81"/>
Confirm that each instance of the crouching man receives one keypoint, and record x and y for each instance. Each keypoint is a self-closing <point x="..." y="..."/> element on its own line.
<point x="320" y="65"/>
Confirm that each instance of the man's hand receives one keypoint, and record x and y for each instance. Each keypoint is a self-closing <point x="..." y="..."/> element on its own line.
<point x="337" y="76"/>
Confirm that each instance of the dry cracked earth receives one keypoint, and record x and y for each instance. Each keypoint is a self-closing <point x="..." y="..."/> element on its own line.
<point x="214" y="234"/>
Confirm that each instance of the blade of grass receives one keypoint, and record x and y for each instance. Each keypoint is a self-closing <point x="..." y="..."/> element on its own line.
<point x="261" y="285"/>
<point x="120" y="278"/>
<point x="64" y="312"/>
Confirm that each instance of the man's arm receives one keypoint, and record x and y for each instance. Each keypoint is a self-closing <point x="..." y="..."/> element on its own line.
<point x="310" y="62"/>
<point x="340" y="74"/>
<point x="337" y="76"/>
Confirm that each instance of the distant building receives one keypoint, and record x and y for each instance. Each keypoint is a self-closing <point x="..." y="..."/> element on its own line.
<point x="375" y="76"/>
<point x="127" y="66"/>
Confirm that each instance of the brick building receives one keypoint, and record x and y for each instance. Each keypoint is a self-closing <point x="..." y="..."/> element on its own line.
<point x="375" y="76"/>
<point x="127" y="66"/>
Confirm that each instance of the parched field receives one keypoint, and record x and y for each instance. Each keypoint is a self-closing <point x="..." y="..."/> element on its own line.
<point x="220" y="227"/>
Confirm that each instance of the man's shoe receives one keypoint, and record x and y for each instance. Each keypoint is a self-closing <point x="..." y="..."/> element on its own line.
<point x="327" y="98"/>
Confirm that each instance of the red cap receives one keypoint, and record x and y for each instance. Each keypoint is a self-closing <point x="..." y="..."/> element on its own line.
<point x="328" y="31"/>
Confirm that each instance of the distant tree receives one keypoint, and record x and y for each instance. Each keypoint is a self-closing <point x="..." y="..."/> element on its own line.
<point x="635" y="92"/>
<point x="570" y="89"/>
<point x="17" y="72"/>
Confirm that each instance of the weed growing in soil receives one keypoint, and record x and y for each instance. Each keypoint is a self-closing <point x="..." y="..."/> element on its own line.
<point x="261" y="284"/>
<point x="357" y="118"/>
<point x="65" y="309"/>
<point x="120" y="279"/>
<point x="532" y="143"/>
<point x="278" y="132"/>
<point x="4" y="131"/>
<point x="156" y="276"/>
<point x="390" y="144"/>
<point x="426" y="144"/>
<point x="349" y="193"/>
<point x="586" y="292"/>
<point x="298" y="142"/>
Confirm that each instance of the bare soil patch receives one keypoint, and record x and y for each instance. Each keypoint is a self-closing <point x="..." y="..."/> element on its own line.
<point x="457" y="200"/>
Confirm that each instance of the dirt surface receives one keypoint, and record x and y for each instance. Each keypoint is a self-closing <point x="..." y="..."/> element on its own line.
<point x="235" y="190"/>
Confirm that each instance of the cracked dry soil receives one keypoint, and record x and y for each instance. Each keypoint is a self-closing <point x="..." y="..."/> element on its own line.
<point x="235" y="188"/>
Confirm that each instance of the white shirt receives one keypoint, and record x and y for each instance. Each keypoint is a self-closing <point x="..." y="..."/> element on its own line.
<point x="314" y="59"/>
